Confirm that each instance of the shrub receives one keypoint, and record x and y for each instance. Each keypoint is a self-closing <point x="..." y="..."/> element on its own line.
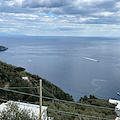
<point x="13" y="112"/>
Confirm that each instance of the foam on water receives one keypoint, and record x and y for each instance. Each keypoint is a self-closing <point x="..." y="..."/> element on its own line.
<point x="96" y="85"/>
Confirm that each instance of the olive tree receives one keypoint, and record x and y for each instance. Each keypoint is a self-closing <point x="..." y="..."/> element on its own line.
<point x="13" y="112"/>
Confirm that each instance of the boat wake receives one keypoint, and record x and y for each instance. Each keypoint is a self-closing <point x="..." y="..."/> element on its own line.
<point x="96" y="84"/>
<point x="91" y="59"/>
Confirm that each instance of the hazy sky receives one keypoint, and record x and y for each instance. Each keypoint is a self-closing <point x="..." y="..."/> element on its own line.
<point x="60" y="17"/>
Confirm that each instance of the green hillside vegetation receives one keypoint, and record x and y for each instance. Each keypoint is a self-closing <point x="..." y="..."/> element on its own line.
<point x="11" y="76"/>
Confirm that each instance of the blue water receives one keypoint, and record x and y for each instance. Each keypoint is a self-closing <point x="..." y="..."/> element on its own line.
<point x="78" y="65"/>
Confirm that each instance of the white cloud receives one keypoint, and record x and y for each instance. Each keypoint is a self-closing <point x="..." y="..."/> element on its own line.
<point x="19" y="1"/>
<point x="117" y="5"/>
<point x="59" y="16"/>
<point x="12" y="2"/>
<point x="1" y="20"/>
<point x="105" y="13"/>
<point x="87" y="19"/>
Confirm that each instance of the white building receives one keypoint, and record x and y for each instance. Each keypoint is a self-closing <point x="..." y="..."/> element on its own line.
<point x="117" y="107"/>
<point x="25" y="78"/>
<point x="33" y="108"/>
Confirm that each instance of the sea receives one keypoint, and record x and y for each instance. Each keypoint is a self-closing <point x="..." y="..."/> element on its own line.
<point x="78" y="65"/>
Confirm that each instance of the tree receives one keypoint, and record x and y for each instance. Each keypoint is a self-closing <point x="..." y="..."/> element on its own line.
<point x="19" y="69"/>
<point x="13" y="112"/>
<point x="92" y="97"/>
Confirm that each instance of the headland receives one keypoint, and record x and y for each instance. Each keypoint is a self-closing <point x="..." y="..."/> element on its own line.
<point x="2" y="48"/>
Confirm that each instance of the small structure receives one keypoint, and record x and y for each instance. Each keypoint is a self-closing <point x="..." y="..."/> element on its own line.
<point x="117" y="118"/>
<point x="33" y="108"/>
<point x="25" y="78"/>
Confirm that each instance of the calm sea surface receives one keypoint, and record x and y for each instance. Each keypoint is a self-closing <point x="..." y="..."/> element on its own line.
<point x="80" y="66"/>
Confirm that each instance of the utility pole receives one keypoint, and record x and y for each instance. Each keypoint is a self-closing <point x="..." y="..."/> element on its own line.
<point x="40" y="114"/>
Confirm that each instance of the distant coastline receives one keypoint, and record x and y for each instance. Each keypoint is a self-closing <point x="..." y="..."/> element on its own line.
<point x="2" y="48"/>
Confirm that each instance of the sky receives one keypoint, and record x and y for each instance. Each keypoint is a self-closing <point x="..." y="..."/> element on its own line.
<point x="60" y="17"/>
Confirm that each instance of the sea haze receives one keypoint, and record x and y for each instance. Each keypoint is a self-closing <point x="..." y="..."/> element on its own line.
<point x="78" y="65"/>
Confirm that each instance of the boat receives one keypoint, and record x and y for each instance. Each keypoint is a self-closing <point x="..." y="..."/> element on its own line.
<point x="88" y="58"/>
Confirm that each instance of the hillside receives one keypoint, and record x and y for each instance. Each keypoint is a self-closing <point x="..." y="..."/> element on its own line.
<point x="11" y="78"/>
